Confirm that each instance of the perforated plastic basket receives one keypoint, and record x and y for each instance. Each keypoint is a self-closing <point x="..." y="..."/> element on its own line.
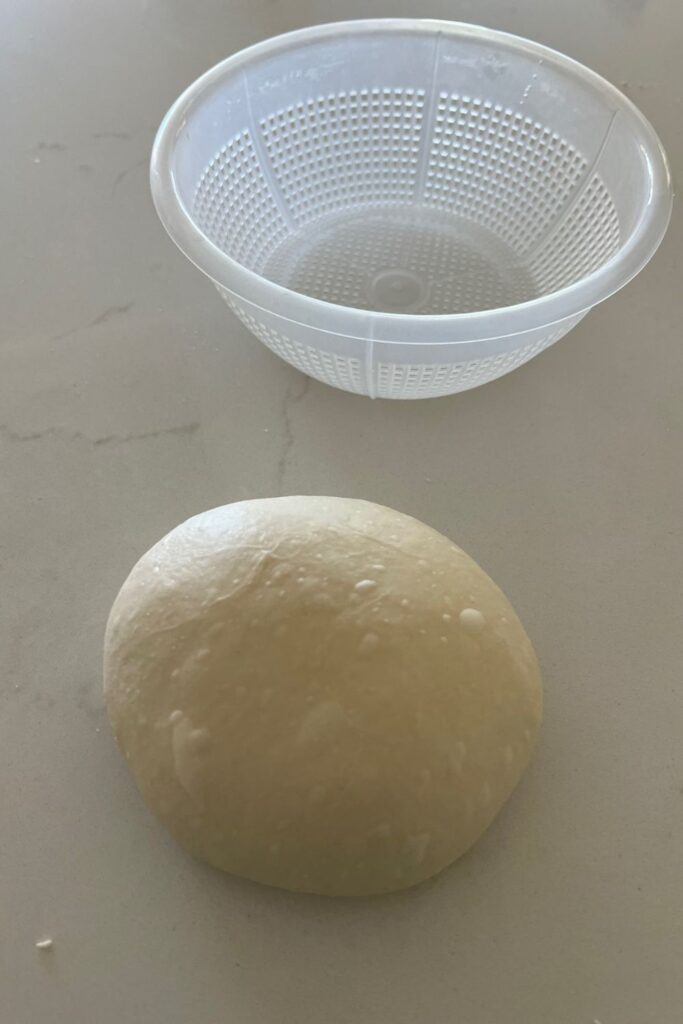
<point x="409" y="208"/>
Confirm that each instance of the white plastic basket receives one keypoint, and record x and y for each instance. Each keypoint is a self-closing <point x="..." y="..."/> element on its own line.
<point x="406" y="209"/>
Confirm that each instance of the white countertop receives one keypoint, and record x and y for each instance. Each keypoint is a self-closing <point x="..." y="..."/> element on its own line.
<point x="131" y="399"/>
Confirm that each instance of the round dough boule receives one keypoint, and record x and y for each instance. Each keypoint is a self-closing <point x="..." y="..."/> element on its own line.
<point x="320" y="693"/>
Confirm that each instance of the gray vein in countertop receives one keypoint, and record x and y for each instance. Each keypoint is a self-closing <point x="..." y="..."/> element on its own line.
<point x="109" y="313"/>
<point x="77" y="435"/>
<point x="293" y="395"/>
<point x="102" y="318"/>
<point x="121" y="136"/>
<point x="120" y="178"/>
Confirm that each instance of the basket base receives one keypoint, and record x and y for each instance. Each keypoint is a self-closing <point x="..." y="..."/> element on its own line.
<point x="401" y="259"/>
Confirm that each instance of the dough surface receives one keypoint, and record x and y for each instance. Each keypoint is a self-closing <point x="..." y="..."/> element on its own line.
<point x="320" y="694"/>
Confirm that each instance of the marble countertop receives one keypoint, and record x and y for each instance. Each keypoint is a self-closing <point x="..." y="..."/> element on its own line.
<point x="130" y="399"/>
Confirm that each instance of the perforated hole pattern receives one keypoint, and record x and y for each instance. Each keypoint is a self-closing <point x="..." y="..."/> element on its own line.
<point x="582" y="242"/>
<point x="486" y="163"/>
<point x="347" y="150"/>
<point x="396" y="380"/>
<point x="340" y="372"/>
<point x="234" y="205"/>
<point x="393" y="380"/>
<point x="499" y="168"/>
<point x="483" y="207"/>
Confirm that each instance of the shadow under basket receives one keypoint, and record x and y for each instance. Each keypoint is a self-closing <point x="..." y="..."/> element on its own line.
<point x="407" y="209"/>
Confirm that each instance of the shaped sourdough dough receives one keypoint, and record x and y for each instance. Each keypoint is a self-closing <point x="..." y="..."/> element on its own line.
<point x="321" y="694"/>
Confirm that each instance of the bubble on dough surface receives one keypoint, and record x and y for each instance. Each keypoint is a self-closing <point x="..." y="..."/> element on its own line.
<point x="381" y="831"/>
<point x="368" y="644"/>
<point x="187" y="757"/>
<point x="320" y="721"/>
<point x="199" y="739"/>
<point x="471" y="620"/>
<point x="416" y="847"/>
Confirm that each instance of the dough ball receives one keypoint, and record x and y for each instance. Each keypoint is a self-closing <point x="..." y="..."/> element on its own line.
<point x="320" y="693"/>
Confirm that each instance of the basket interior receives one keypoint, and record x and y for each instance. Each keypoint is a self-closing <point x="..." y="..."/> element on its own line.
<point x="418" y="174"/>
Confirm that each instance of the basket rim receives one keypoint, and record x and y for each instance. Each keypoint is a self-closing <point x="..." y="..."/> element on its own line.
<point x="565" y="302"/>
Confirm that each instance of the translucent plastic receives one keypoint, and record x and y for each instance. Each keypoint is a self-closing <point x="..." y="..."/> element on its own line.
<point x="406" y="209"/>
